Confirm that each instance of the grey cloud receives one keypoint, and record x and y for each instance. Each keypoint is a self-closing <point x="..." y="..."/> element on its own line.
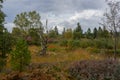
<point x="54" y="9"/>
<point x="56" y="6"/>
<point x="85" y="23"/>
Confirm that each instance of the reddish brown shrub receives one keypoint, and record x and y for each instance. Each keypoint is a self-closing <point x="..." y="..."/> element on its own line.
<point x="95" y="70"/>
<point x="34" y="75"/>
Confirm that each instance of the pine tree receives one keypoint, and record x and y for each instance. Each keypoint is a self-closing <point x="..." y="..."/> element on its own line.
<point x="77" y="34"/>
<point x="89" y="34"/>
<point x="20" y="57"/>
<point x="2" y="51"/>
<point x="100" y="32"/>
<point x="95" y="33"/>
<point x="56" y="31"/>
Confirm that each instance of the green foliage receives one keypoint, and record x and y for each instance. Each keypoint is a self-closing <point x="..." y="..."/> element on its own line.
<point x="89" y="34"/>
<point x="17" y="33"/>
<point x="56" y="30"/>
<point x="77" y="33"/>
<point x="6" y="43"/>
<point x="27" y="20"/>
<point x="33" y="37"/>
<point x="2" y="19"/>
<point x="99" y="35"/>
<point x="93" y="50"/>
<point x="52" y="34"/>
<point x="73" y="44"/>
<point x="2" y="15"/>
<point x="68" y="34"/>
<point x="86" y="43"/>
<point x="20" y="57"/>
<point x="70" y="44"/>
<point x="29" y="27"/>
<point x="94" y="32"/>
<point x="103" y="44"/>
<point x="64" y="43"/>
<point x="105" y="33"/>
<point x="111" y="51"/>
<point x="2" y="63"/>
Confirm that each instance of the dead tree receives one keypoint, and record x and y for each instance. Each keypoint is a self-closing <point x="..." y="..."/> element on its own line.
<point x="44" y="39"/>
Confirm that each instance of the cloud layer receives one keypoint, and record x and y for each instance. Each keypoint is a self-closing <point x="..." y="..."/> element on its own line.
<point x="63" y="13"/>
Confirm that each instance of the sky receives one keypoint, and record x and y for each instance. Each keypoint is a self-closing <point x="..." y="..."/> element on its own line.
<point x="60" y="13"/>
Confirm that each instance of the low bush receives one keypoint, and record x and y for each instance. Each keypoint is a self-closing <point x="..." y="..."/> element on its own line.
<point x="103" y="44"/>
<point x="111" y="51"/>
<point x="86" y="43"/>
<point x="95" y="70"/>
<point x="73" y="44"/>
<point x="52" y="47"/>
<point x="70" y="44"/>
<point x="93" y="50"/>
<point x="64" y="43"/>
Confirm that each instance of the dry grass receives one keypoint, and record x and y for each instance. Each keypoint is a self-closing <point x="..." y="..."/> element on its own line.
<point x="61" y="55"/>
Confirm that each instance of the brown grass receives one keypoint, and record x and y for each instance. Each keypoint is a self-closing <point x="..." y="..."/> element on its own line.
<point x="61" y="55"/>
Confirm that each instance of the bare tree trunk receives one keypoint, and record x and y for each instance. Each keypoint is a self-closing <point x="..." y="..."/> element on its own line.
<point x="44" y="40"/>
<point x="44" y="47"/>
<point x="115" y="45"/>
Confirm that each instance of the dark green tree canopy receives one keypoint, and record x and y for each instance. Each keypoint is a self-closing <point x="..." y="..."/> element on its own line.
<point x="78" y="28"/>
<point x="56" y="30"/>
<point x="95" y="33"/>
<point x="78" y="32"/>
<point x="89" y="34"/>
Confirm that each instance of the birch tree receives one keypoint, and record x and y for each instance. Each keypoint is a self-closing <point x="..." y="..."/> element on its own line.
<point x="112" y="20"/>
<point x="27" y="20"/>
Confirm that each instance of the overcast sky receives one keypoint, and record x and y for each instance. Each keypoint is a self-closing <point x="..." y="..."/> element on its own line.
<point x="61" y="13"/>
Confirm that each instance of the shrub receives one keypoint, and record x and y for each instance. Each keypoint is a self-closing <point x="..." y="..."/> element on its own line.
<point x="2" y="63"/>
<point x="86" y="43"/>
<point x="95" y="70"/>
<point x="73" y="44"/>
<point x="64" y="43"/>
<point x="52" y="47"/>
<point x="70" y="44"/>
<point x="111" y="51"/>
<point x="103" y="44"/>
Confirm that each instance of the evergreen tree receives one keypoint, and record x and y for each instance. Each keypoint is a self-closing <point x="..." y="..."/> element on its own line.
<point x="20" y="57"/>
<point x="56" y="31"/>
<point x="95" y="33"/>
<point x="63" y="33"/>
<point x="52" y="34"/>
<point x="68" y="34"/>
<point x="77" y="34"/>
<point x="3" y="46"/>
<point x="6" y="43"/>
<point x="100" y="31"/>
<point x="105" y="33"/>
<point x="89" y="34"/>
